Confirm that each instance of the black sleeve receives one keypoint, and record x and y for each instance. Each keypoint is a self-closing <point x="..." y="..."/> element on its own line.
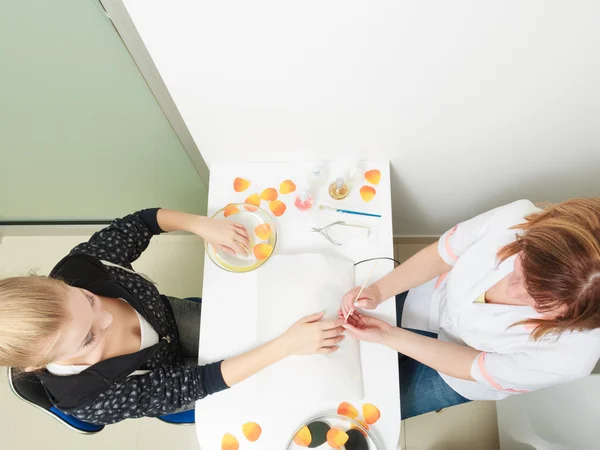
<point x="124" y="240"/>
<point x="161" y="391"/>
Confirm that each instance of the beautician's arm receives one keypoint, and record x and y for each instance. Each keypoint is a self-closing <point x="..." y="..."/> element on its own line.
<point x="418" y="269"/>
<point x="228" y="236"/>
<point x="452" y="359"/>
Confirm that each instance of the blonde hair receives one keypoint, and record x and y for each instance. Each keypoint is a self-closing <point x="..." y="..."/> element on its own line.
<point x="33" y="310"/>
<point x="560" y="258"/>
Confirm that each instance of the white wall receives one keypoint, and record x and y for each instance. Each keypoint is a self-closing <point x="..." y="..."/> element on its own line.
<point x="475" y="103"/>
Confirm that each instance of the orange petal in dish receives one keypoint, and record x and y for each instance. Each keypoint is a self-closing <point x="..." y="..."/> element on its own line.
<point x="373" y="176"/>
<point x="336" y="438"/>
<point x="229" y="442"/>
<point x="287" y="186"/>
<point x="364" y="424"/>
<point x="269" y="194"/>
<point x="262" y="251"/>
<point x="303" y="437"/>
<point x="240" y="185"/>
<point x="263" y="231"/>
<point x="346" y="409"/>
<point x="252" y="203"/>
<point x="370" y="413"/>
<point x="367" y="193"/>
<point x="252" y="431"/>
<point x="277" y="207"/>
<point x="230" y="210"/>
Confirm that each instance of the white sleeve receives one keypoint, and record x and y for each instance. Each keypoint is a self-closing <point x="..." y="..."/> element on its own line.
<point x="514" y="373"/>
<point x="457" y="240"/>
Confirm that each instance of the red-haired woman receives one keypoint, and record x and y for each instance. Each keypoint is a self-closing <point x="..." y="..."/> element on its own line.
<point x="515" y="306"/>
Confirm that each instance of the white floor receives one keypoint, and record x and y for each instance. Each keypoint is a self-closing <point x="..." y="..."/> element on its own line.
<point x="175" y="262"/>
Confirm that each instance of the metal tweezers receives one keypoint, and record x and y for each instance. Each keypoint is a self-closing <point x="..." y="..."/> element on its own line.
<point x="324" y="230"/>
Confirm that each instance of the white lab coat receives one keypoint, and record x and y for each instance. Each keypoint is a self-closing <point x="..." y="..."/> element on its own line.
<point x="510" y="361"/>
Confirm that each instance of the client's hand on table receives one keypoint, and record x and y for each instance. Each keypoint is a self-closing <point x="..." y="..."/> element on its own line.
<point x="367" y="328"/>
<point x="306" y="337"/>
<point x="309" y="336"/>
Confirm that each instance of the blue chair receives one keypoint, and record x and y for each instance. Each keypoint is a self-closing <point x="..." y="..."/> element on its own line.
<point x="28" y="388"/>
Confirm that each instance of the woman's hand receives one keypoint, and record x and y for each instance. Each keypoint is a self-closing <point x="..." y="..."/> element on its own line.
<point x="369" y="298"/>
<point x="309" y="336"/>
<point x="367" y="328"/>
<point x="224" y="235"/>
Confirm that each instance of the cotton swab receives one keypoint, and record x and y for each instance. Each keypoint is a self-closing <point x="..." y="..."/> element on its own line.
<point x="360" y="292"/>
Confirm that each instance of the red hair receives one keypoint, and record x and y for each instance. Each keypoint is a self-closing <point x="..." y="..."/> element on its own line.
<point x="560" y="257"/>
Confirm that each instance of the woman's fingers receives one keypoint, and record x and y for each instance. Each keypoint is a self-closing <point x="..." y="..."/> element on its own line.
<point x="356" y="333"/>
<point x="312" y="318"/>
<point x="239" y="248"/>
<point x="332" y="341"/>
<point x="327" y="334"/>
<point x="329" y="324"/>
<point x="325" y="350"/>
<point x="241" y="229"/>
<point x="225" y="249"/>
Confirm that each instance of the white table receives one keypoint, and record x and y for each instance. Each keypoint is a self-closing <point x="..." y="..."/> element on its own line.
<point x="229" y="306"/>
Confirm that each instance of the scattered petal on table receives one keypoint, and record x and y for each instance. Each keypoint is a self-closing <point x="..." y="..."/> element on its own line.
<point x="229" y="442"/>
<point x="346" y="409"/>
<point x="373" y="176"/>
<point x="277" y="207"/>
<point x="230" y="210"/>
<point x="252" y="431"/>
<point x="363" y="423"/>
<point x="367" y="193"/>
<point x="370" y="413"/>
<point x="269" y="194"/>
<point x="263" y="231"/>
<point x="303" y="437"/>
<point x="287" y="186"/>
<point x="336" y="438"/>
<point x="240" y="185"/>
<point x="262" y="251"/>
<point x="253" y="200"/>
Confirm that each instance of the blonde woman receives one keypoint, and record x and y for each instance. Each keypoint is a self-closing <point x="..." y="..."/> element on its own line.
<point x="516" y="306"/>
<point x="108" y="346"/>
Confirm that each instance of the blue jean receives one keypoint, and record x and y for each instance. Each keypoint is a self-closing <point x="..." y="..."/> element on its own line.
<point x="422" y="390"/>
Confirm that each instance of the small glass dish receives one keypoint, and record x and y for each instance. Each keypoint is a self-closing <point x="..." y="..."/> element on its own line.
<point x="260" y="250"/>
<point x="340" y="422"/>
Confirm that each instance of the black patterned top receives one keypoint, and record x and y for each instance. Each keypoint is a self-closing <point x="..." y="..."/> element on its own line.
<point x="105" y="393"/>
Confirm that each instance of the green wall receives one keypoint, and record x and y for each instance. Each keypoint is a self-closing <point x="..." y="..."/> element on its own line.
<point x="81" y="135"/>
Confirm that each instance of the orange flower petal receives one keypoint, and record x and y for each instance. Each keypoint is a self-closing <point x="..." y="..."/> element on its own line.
<point x="262" y="251"/>
<point x="367" y="193"/>
<point x="287" y="186"/>
<point x="277" y="207"/>
<point x="336" y="438"/>
<point x="252" y="431"/>
<point x="373" y="176"/>
<point x="263" y="231"/>
<point x="240" y="185"/>
<point x="250" y="208"/>
<point x="346" y="409"/>
<point x="370" y="413"/>
<point x="303" y="437"/>
<point x="269" y="194"/>
<point x="230" y="210"/>
<point x="229" y="442"/>
<point x="364" y="424"/>
<point x="254" y="199"/>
